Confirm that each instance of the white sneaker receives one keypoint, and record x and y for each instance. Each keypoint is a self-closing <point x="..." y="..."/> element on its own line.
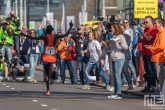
<point x="116" y="97"/>
<point x="86" y="87"/>
<point x="108" y="88"/>
<point x="111" y="89"/>
<point x="110" y="96"/>
<point x="57" y="81"/>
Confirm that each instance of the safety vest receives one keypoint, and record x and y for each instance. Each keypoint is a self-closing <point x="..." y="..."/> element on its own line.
<point x="1" y="65"/>
<point x="9" y="39"/>
<point x="14" y="27"/>
<point x="49" y="53"/>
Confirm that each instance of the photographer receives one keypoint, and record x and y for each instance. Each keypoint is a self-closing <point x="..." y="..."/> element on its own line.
<point x="3" y="67"/>
<point x="14" y="24"/>
<point x="6" y="40"/>
<point x="17" y="68"/>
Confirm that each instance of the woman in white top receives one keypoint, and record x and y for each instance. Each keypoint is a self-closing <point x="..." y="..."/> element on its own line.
<point x="94" y="48"/>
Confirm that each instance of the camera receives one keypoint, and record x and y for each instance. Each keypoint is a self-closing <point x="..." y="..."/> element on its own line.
<point x="15" y="62"/>
<point x="3" y="25"/>
<point x="12" y="15"/>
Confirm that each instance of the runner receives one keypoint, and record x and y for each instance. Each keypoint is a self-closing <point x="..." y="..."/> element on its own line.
<point x="49" y="53"/>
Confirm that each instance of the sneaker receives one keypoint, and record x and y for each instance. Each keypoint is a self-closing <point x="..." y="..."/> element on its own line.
<point x="57" y="81"/>
<point x="110" y="96"/>
<point x="116" y="97"/>
<point x="63" y="82"/>
<point x="130" y="88"/>
<point x="111" y="89"/>
<point x="34" y="80"/>
<point x="31" y="80"/>
<point x="86" y="87"/>
<point x="108" y="88"/>
<point x="125" y="84"/>
<point x="47" y="92"/>
<point x="5" y="80"/>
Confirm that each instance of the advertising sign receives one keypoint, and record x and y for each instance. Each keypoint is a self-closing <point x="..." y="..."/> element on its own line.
<point x="143" y="8"/>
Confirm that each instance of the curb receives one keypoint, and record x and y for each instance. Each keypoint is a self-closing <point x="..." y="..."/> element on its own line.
<point x="123" y="91"/>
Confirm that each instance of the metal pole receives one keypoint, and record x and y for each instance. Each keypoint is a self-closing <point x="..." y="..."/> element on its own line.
<point x="85" y="5"/>
<point x="164" y="9"/>
<point x="25" y="7"/>
<point x="16" y="7"/>
<point x="98" y="8"/>
<point x="95" y="6"/>
<point x="103" y="8"/>
<point x="47" y="6"/>
<point x="27" y="21"/>
<point x="20" y="13"/>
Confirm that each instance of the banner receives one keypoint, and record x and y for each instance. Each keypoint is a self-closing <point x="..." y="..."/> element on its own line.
<point x="143" y="8"/>
<point x="50" y="17"/>
<point x="68" y="20"/>
<point x="82" y="16"/>
<point x="32" y="25"/>
<point x="63" y="20"/>
<point x="45" y="21"/>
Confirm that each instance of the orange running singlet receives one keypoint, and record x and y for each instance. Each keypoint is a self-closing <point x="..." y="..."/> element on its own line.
<point x="49" y="53"/>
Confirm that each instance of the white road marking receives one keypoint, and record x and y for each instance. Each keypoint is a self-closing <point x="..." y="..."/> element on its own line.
<point x="35" y="100"/>
<point x="7" y="86"/>
<point x="12" y="88"/>
<point x="54" y="109"/>
<point x="4" y="84"/>
<point x="44" y="105"/>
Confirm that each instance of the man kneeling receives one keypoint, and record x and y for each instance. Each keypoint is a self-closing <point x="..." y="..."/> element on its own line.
<point x="17" y="68"/>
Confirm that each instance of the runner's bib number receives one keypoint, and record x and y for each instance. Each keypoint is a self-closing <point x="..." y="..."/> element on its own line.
<point x="50" y="50"/>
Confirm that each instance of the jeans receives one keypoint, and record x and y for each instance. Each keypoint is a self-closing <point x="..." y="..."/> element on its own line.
<point x="117" y="69"/>
<point x="132" y="67"/>
<point x="1" y="72"/>
<point x="75" y="64"/>
<point x="58" y="66"/>
<point x="100" y="68"/>
<point x="63" y="68"/>
<point x="33" y="58"/>
<point x="15" y="72"/>
<point x="161" y="74"/>
<point x="126" y="73"/>
<point x="150" y="69"/>
<point x="6" y="52"/>
<point x="82" y="60"/>
<point x="16" y="44"/>
<point x="110" y="71"/>
<point x="24" y="58"/>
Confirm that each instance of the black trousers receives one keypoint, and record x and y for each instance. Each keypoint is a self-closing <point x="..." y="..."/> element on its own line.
<point x="136" y="60"/>
<point x="126" y="73"/>
<point x="16" y="72"/>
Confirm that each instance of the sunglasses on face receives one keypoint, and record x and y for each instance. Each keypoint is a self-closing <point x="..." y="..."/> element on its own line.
<point x="146" y="22"/>
<point x="125" y="22"/>
<point x="32" y="32"/>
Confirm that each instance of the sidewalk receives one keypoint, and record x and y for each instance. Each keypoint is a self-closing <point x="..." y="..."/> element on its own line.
<point x="135" y="92"/>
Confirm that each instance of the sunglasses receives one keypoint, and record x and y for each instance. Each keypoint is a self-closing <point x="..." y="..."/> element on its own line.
<point x="146" y="22"/>
<point x="125" y="22"/>
<point x="32" y="32"/>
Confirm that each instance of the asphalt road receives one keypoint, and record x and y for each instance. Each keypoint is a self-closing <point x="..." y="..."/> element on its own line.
<point x="30" y="96"/>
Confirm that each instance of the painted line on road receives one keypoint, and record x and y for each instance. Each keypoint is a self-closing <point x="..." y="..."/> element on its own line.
<point x="35" y="100"/>
<point x="13" y="88"/>
<point x="18" y="91"/>
<point x="54" y="109"/>
<point x="4" y="84"/>
<point x="44" y="105"/>
<point x="7" y="86"/>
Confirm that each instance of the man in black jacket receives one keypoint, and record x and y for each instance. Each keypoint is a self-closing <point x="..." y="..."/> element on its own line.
<point x="127" y="58"/>
<point x="81" y="45"/>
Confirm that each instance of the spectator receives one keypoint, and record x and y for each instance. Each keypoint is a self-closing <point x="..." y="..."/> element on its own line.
<point x="118" y="58"/>
<point x="127" y="58"/>
<point x="94" y="48"/>
<point x="33" y="54"/>
<point x="81" y="45"/>
<point x="18" y="68"/>
<point x="157" y="50"/>
<point x="24" y="47"/>
<point x="65" y="57"/>
<point x="148" y="38"/>
<point x="3" y="68"/>
<point x="131" y="66"/>
<point x="14" y="24"/>
<point x="6" y="40"/>
<point x="25" y="29"/>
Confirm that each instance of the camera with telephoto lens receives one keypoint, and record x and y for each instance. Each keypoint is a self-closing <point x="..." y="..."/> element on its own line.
<point x="14" y="61"/>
